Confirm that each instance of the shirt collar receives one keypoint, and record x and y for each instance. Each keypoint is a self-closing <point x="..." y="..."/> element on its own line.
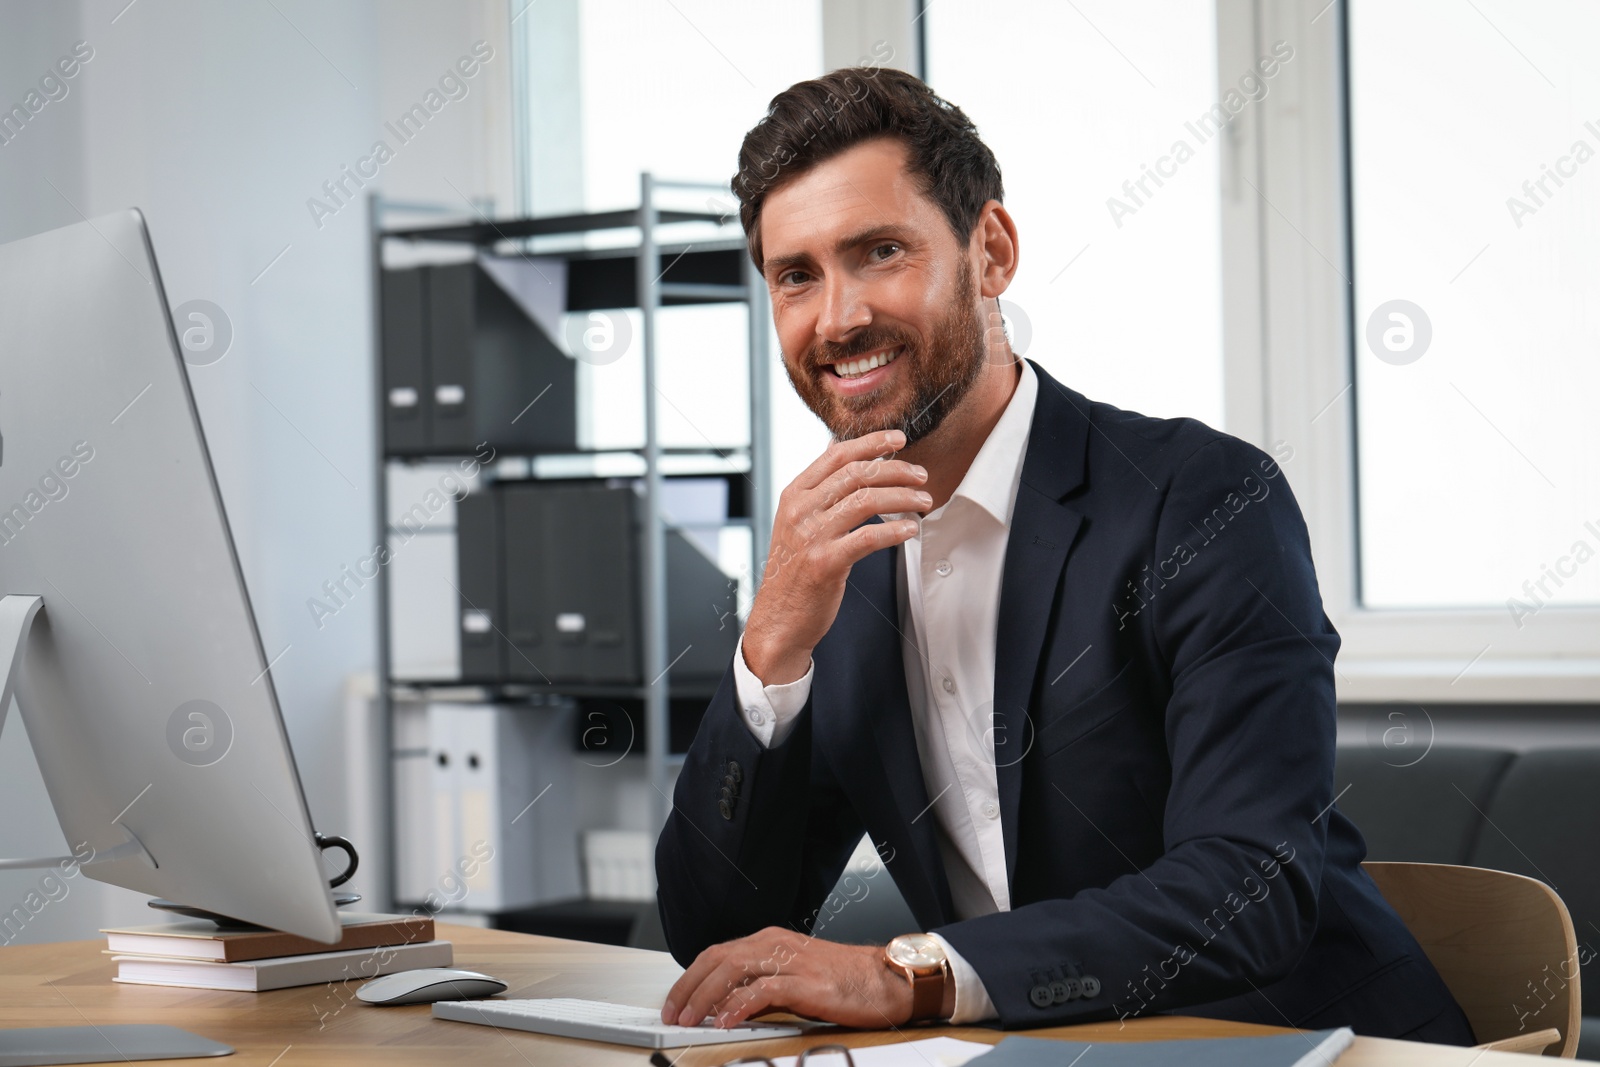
<point x="996" y="471"/>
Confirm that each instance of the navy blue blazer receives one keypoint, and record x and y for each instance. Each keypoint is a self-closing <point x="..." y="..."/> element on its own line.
<point x="1163" y="725"/>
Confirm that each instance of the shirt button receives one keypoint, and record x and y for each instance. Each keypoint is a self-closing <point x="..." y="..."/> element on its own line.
<point x="756" y="718"/>
<point x="991" y="810"/>
<point x="944" y="568"/>
<point x="949" y="685"/>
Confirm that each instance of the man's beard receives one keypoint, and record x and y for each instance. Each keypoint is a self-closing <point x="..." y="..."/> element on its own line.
<point x="940" y="377"/>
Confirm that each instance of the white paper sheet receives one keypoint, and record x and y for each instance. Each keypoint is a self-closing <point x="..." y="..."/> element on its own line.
<point x="929" y="1052"/>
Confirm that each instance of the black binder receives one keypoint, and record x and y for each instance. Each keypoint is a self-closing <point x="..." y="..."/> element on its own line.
<point x="465" y="365"/>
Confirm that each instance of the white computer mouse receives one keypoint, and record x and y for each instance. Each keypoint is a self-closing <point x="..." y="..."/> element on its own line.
<point x="428" y="984"/>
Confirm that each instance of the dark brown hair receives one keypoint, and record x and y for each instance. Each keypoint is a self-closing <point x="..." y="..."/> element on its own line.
<point x="812" y="121"/>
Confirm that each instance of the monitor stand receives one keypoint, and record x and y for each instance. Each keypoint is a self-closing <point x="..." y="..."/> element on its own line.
<point x="17" y="613"/>
<point x="340" y="900"/>
<point x="36" y="1046"/>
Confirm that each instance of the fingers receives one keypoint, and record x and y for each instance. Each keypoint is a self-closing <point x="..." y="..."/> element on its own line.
<point x="842" y="539"/>
<point x="863" y="504"/>
<point x="767" y="993"/>
<point x="859" y="544"/>
<point x="690" y="981"/>
<point x="868" y="474"/>
<point x="815" y="527"/>
<point x="724" y="981"/>
<point x="868" y="446"/>
<point x="720" y="970"/>
<point x="813" y="547"/>
<point x="779" y="969"/>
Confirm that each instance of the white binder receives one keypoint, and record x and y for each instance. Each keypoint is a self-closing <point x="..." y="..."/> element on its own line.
<point x="487" y="816"/>
<point x="501" y="820"/>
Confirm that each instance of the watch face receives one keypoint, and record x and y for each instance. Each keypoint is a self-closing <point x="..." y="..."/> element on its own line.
<point x="916" y="950"/>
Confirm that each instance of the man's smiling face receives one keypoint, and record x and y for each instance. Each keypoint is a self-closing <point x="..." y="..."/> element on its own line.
<point x="874" y="299"/>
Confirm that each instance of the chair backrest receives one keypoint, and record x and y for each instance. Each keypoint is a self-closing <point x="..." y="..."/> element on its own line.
<point x="1421" y="806"/>
<point x="1503" y="944"/>
<point x="1539" y="821"/>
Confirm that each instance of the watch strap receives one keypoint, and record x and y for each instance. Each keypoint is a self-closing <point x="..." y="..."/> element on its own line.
<point x="927" y="993"/>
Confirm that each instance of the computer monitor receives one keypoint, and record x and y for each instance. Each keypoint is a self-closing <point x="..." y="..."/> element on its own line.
<point x="139" y="670"/>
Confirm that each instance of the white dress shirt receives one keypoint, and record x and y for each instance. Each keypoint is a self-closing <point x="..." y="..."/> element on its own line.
<point x="948" y="587"/>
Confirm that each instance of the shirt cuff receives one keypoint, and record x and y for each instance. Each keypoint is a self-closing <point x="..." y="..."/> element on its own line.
<point x="769" y="711"/>
<point x="972" y="999"/>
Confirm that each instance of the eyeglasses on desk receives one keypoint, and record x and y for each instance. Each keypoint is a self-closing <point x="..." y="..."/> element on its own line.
<point x="819" y="1056"/>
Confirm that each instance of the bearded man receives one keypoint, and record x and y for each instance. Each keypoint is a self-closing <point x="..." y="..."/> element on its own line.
<point x="1066" y="665"/>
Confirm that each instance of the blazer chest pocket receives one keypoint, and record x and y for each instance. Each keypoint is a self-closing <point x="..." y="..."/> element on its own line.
<point x="1064" y="727"/>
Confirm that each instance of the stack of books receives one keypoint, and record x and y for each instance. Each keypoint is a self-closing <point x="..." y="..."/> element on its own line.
<point x="201" y="954"/>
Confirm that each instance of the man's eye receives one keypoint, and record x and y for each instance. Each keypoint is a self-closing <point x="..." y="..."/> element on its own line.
<point x="793" y="277"/>
<point x="891" y="248"/>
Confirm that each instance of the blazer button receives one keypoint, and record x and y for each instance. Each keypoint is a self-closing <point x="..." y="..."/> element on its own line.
<point x="726" y="808"/>
<point x="1091" y="985"/>
<point x="1060" y="993"/>
<point x="1074" y="988"/>
<point x="730" y="784"/>
<point x="735" y="772"/>
<point x="1041" y="996"/>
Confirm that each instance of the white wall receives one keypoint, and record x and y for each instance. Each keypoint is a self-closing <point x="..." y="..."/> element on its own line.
<point x="220" y="122"/>
<point x="51" y="144"/>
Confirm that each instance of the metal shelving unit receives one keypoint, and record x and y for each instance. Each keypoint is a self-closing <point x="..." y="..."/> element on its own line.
<point x="664" y="273"/>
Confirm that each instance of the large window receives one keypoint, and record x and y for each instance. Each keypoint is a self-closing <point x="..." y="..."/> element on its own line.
<point x="1475" y="188"/>
<point x="1102" y="119"/>
<point x="1418" y="263"/>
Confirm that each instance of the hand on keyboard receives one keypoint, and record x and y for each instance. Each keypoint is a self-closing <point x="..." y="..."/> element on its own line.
<point x="783" y="970"/>
<point x="596" y="1020"/>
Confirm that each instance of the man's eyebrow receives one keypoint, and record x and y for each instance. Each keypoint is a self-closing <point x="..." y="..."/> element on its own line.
<point x="844" y="244"/>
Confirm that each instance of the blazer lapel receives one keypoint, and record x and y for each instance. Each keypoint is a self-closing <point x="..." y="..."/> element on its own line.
<point x="878" y="684"/>
<point x="1042" y="532"/>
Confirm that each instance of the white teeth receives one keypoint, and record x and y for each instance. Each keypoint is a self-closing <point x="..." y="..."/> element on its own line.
<point x="855" y="368"/>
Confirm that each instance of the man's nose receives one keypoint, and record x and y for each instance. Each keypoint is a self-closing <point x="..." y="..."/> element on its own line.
<point x="844" y="309"/>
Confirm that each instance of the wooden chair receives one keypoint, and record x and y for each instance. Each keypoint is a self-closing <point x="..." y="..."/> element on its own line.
<point x="1503" y="944"/>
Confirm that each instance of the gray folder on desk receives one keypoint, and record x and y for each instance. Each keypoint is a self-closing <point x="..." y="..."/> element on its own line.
<point x="1315" y="1048"/>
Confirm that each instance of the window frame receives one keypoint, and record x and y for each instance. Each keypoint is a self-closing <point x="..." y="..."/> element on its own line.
<point x="1289" y="377"/>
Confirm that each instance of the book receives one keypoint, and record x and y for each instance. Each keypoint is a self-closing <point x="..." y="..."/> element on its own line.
<point x="1312" y="1048"/>
<point x="201" y="939"/>
<point x="258" y="976"/>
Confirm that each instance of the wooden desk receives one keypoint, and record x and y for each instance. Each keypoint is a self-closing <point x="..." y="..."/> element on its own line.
<point x="69" y="984"/>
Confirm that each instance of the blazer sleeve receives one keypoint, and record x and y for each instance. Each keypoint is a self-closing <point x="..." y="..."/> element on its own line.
<point x="756" y="837"/>
<point x="1231" y="904"/>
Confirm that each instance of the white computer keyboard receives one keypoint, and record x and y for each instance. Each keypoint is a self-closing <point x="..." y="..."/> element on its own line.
<point x="595" y="1020"/>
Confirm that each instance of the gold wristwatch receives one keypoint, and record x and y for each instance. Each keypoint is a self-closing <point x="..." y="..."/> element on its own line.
<point x="922" y="960"/>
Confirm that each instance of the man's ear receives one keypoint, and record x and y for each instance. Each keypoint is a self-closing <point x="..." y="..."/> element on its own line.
<point x="994" y="242"/>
